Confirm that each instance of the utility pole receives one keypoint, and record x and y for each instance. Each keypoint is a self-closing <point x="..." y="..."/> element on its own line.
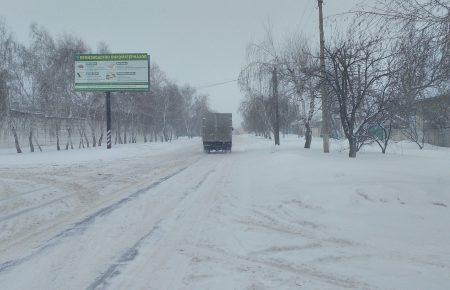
<point x="277" y="113"/>
<point x="326" y="117"/>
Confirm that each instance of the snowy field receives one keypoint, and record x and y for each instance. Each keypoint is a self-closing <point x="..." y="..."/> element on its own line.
<point x="168" y="216"/>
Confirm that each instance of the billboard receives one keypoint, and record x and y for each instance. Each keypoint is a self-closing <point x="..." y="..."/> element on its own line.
<point x="112" y="72"/>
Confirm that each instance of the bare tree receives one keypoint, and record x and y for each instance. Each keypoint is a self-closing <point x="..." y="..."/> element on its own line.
<point x="356" y="70"/>
<point x="260" y="77"/>
<point x="419" y="33"/>
<point x="188" y="95"/>
<point x="8" y="84"/>
<point x="300" y="71"/>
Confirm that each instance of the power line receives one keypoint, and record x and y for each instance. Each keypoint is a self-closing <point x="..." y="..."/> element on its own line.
<point x="306" y="7"/>
<point x="215" y="84"/>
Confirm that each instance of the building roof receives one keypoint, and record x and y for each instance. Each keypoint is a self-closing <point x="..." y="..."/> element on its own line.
<point x="437" y="98"/>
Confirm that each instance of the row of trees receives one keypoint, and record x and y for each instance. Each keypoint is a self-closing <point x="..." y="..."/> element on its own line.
<point x="391" y="56"/>
<point x="38" y="102"/>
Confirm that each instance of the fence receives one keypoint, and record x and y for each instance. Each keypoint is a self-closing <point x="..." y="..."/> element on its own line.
<point x="438" y="137"/>
<point x="79" y="132"/>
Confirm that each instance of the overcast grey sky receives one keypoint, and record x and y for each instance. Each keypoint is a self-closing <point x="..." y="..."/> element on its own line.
<point x="199" y="42"/>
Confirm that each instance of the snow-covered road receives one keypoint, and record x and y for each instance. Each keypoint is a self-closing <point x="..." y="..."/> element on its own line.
<point x="149" y="216"/>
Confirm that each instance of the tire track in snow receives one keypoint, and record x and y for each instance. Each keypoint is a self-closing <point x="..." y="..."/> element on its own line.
<point x="81" y="226"/>
<point x="124" y="258"/>
<point x="181" y="225"/>
<point x="18" y="195"/>
<point x="130" y="254"/>
<point x="29" y="209"/>
<point x="33" y="211"/>
<point x="281" y="266"/>
<point x="44" y="204"/>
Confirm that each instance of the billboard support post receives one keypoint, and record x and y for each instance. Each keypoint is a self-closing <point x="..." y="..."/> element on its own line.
<point x="108" y="120"/>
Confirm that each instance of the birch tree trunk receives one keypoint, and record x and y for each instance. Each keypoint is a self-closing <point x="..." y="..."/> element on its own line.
<point x="69" y="139"/>
<point x="86" y="138"/>
<point x="30" y="140"/>
<point x="308" y="136"/>
<point x="16" y="138"/>
<point x="57" y="138"/>
<point x="37" y="143"/>
<point x="100" y="140"/>
<point x="353" y="147"/>
<point x="94" y="140"/>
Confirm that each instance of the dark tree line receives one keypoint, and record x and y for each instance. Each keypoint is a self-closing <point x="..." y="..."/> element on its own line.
<point x="38" y="102"/>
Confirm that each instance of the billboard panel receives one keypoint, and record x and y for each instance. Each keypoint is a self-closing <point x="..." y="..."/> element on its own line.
<point x="112" y="72"/>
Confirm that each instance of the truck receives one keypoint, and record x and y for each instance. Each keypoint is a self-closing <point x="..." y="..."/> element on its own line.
<point x="217" y="129"/>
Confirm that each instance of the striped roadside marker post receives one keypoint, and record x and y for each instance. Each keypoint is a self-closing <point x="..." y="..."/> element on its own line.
<point x="108" y="120"/>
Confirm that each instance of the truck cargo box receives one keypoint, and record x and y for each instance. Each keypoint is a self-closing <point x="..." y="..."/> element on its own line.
<point x="217" y="129"/>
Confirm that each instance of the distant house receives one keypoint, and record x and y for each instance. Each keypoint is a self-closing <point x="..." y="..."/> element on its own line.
<point x="434" y="115"/>
<point x="431" y="123"/>
<point x="336" y="128"/>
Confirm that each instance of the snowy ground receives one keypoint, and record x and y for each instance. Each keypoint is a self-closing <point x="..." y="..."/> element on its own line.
<point x="152" y="216"/>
